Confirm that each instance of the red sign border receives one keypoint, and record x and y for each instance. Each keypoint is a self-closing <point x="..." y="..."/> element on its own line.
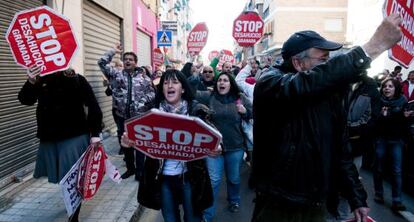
<point x="389" y="51"/>
<point x="208" y="33"/>
<point x="247" y="12"/>
<point x="191" y="118"/>
<point x="55" y="13"/>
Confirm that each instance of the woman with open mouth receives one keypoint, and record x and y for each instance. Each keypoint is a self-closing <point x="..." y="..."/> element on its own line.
<point x="229" y="107"/>
<point x="167" y="183"/>
<point x="392" y="126"/>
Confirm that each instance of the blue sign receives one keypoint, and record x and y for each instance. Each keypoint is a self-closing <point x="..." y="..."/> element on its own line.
<point x="164" y="38"/>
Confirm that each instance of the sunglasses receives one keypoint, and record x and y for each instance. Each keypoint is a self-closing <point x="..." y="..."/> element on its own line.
<point x="207" y="71"/>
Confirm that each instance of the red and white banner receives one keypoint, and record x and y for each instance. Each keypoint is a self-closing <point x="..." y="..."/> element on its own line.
<point x="92" y="171"/>
<point x="164" y="135"/>
<point x="43" y="37"/>
<point x="197" y="39"/>
<point x="248" y="28"/>
<point x="158" y="58"/>
<point x="226" y="57"/>
<point x="403" y="52"/>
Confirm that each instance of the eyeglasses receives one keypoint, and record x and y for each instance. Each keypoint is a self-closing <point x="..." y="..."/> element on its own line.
<point x="320" y="60"/>
<point x="207" y="71"/>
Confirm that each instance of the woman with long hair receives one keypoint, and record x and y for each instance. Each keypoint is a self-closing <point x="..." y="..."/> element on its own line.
<point x="229" y="108"/>
<point x="391" y="130"/>
<point x="167" y="183"/>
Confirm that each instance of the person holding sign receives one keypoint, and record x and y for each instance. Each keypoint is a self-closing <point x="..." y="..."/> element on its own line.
<point x="301" y="146"/>
<point x="166" y="183"/>
<point x="63" y="127"/>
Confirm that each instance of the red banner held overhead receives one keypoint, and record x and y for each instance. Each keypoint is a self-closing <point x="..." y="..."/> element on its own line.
<point x="197" y="39"/>
<point x="164" y="135"/>
<point x="248" y="28"/>
<point x="403" y="52"/>
<point x="41" y="36"/>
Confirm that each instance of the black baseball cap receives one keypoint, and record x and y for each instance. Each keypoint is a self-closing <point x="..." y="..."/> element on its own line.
<point x="303" y="40"/>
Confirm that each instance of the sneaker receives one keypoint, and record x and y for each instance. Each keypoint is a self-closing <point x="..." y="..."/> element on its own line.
<point x="379" y="199"/>
<point x="234" y="207"/>
<point x="398" y="206"/>
<point x="127" y="174"/>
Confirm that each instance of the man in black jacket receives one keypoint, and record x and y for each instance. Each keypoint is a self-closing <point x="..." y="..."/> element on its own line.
<point x="300" y="142"/>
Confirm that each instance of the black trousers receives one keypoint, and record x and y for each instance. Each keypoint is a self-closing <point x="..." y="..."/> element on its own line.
<point x="134" y="159"/>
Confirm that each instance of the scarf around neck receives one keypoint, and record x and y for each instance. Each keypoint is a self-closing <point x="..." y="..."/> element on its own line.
<point x="395" y="104"/>
<point x="182" y="107"/>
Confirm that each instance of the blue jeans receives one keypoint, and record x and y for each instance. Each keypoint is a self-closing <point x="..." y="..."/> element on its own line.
<point x="230" y="163"/>
<point x="176" y="190"/>
<point x="394" y="150"/>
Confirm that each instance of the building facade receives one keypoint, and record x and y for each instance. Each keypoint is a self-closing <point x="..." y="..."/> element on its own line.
<point x="177" y="14"/>
<point x="327" y="17"/>
<point x="98" y="26"/>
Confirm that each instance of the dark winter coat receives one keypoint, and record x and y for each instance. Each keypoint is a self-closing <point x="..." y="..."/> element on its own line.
<point x="394" y="125"/>
<point x="61" y="103"/>
<point x="300" y="141"/>
<point x="149" y="192"/>
<point x="226" y="117"/>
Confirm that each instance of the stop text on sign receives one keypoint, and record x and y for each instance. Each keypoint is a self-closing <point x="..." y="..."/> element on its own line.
<point x="42" y="37"/>
<point x="181" y="137"/>
<point x="49" y="46"/>
<point x="248" y="26"/>
<point x="198" y="36"/>
<point x="96" y="165"/>
<point x="197" y="39"/>
<point x="185" y="144"/>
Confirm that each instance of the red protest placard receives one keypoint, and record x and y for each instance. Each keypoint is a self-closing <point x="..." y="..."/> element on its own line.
<point x="164" y="135"/>
<point x="41" y="36"/>
<point x="403" y="52"/>
<point x="158" y="58"/>
<point x="247" y="28"/>
<point x="197" y="39"/>
<point x="213" y="54"/>
<point x="92" y="171"/>
<point x="226" y="57"/>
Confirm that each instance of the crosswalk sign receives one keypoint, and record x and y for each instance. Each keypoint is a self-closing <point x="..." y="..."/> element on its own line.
<point x="164" y="38"/>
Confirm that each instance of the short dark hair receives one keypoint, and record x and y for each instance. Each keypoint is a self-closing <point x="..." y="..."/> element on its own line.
<point x="234" y="88"/>
<point x="132" y="54"/>
<point x="397" y="68"/>
<point x="174" y="74"/>
<point x="397" y="86"/>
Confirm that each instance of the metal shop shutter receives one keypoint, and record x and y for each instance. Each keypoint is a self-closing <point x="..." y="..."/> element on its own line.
<point x="144" y="49"/>
<point x="101" y="31"/>
<point x="18" y="142"/>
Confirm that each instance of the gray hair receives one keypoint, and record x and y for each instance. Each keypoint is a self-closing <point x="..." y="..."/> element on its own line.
<point x="302" y="55"/>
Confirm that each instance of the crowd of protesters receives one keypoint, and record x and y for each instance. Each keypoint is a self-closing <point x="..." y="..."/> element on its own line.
<point x="302" y="126"/>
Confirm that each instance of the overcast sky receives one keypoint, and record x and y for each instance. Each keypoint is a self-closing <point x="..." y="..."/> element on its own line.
<point x="219" y="16"/>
